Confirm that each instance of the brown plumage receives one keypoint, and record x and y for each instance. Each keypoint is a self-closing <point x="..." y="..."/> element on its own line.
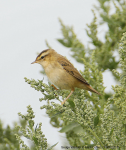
<point x="61" y="72"/>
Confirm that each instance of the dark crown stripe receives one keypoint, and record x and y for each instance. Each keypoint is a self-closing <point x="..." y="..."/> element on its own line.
<point x="42" y="52"/>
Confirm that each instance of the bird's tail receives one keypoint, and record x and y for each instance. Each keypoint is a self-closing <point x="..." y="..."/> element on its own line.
<point x="93" y="90"/>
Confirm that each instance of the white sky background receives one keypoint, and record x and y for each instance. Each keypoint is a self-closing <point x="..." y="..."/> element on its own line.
<point x="24" y="26"/>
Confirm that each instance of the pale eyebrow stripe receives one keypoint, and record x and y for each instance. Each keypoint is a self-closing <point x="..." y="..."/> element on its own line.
<point x="43" y="52"/>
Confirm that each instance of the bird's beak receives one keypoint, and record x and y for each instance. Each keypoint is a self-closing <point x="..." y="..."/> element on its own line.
<point x="34" y="62"/>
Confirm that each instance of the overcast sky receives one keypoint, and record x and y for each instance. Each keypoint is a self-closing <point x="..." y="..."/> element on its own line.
<point x="24" y="27"/>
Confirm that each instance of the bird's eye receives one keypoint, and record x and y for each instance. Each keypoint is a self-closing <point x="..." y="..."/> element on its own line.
<point x="42" y="57"/>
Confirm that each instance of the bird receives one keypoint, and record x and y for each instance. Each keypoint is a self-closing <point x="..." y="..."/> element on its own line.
<point x="61" y="72"/>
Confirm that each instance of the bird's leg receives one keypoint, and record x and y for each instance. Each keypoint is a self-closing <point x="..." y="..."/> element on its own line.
<point x="54" y="87"/>
<point x="67" y="97"/>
